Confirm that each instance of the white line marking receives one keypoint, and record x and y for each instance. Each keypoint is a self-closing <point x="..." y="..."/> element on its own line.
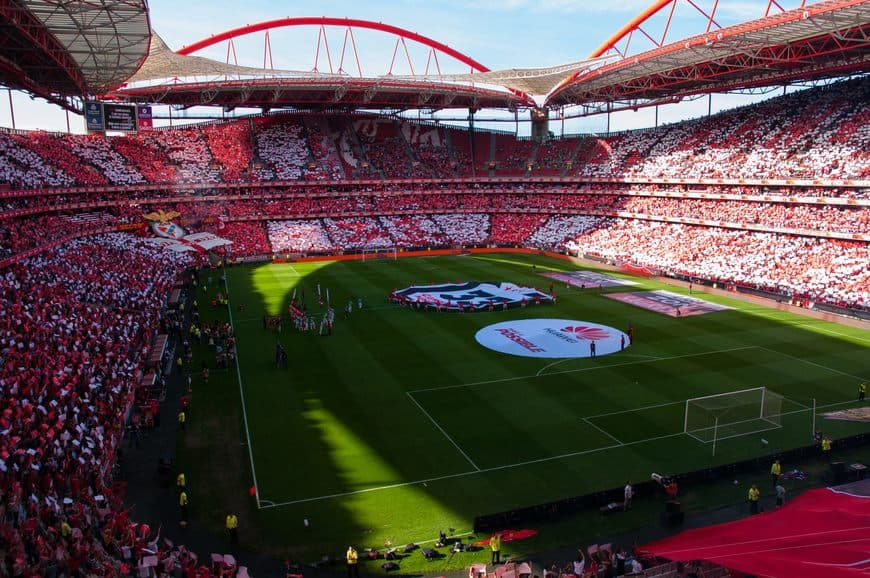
<point x="471" y="473"/>
<point x="441" y="429"/>
<point x="546" y="367"/>
<point x="549" y="365"/>
<point x="499" y="468"/>
<point x="521" y="377"/>
<point x="811" y="324"/>
<point x="682" y="401"/>
<point x="244" y="407"/>
<point x="812" y="363"/>
<point x="292" y="268"/>
<point x="603" y="431"/>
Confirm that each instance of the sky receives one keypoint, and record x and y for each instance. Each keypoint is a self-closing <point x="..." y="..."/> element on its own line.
<point x="498" y="33"/>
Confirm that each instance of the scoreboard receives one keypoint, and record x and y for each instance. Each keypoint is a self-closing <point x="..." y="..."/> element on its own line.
<point x="105" y="116"/>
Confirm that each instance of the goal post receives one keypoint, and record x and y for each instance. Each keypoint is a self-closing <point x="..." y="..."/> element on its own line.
<point x="732" y="414"/>
<point x="375" y="254"/>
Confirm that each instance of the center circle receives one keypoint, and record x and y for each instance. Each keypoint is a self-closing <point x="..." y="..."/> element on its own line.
<point x="552" y="338"/>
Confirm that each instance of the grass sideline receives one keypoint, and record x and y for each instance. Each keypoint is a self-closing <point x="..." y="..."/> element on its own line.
<point x="400" y="425"/>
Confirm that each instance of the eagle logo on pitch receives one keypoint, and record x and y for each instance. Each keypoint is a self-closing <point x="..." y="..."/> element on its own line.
<point x="588" y="333"/>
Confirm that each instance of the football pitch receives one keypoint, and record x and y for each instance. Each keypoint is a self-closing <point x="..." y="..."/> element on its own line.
<point x="400" y="424"/>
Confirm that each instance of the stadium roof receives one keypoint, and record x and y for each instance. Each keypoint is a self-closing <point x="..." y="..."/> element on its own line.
<point x="182" y="79"/>
<point x="829" y="38"/>
<point x="57" y="48"/>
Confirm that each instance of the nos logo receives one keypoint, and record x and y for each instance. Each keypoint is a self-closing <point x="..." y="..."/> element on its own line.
<point x="588" y="333"/>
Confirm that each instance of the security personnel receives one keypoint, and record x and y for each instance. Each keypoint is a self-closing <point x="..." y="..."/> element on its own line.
<point x="233" y="528"/>
<point x="181" y="482"/>
<point x="182" y="503"/>
<point x="775" y="470"/>
<point x="754" y="496"/>
<point x="495" y="546"/>
<point x="862" y="390"/>
<point x="826" y="448"/>
<point x="182" y="420"/>
<point x="352" y="563"/>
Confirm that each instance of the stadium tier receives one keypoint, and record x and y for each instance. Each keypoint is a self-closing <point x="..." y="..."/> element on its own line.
<point x="771" y="197"/>
<point x="784" y="176"/>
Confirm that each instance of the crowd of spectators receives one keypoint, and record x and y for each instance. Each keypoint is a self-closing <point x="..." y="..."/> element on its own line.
<point x="514" y="228"/>
<point x="324" y="152"/>
<point x="75" y="333"/>
<point x="821" y="133"/>
<point x="280" y="148"/>
<point x="414" y="231"/>
<point x="53" y="148"/>
<point x="100" y="152"/>
<point x="22" y="167"/>
<point x="187" y="151"/>
<point x="805" y="268"/>
<point x="249" y="238"/>
<point x="464" y="229"/>
<point x="512" y="156"/>
<point x="299" y="236"/>
<point x="353" y="233"/>
<point x="232" y="147"/>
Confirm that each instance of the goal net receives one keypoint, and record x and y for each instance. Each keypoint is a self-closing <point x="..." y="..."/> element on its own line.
<point x="733" y="414"/>
<point x="378" y="254"/>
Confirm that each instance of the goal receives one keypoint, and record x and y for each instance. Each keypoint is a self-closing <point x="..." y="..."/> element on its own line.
<point x="732" y="414"/>
<point x="378" y="254"/>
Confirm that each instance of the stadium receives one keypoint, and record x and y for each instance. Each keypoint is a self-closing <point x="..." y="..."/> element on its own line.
<point x="268" y="316"/>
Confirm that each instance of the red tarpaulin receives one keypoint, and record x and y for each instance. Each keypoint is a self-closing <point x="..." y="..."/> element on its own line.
<point x="823" y="533"/>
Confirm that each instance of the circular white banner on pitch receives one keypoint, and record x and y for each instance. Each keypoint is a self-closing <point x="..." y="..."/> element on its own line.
<point x="552" y="338"/>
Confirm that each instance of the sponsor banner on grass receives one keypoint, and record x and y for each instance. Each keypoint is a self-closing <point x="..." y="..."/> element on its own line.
<point x="854" y="414"/>
<point x="668" y="303"/>
<point x="584" y="279"/>
<point x="475" y="295"/>
<point x="552" y="338"/>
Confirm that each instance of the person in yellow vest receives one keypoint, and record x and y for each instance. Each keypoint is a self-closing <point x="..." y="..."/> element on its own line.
<point x="233" y="528"/>
<point x="181" y="482"/>
<point x="352" y="563"/>
<point x="754" y="496"/>
<point x="182" y="503"/>
<point x="827" y="446"/>
<point x="775" y="471"/>
<point x="862" y="390"/>
<point x="182" y="420"/>
<point x="495" y="546"/>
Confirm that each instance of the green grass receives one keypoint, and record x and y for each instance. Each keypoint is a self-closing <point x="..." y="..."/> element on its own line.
<point x="400" y="424"/>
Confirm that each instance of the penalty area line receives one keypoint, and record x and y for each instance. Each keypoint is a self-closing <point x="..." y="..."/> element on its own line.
<point x="498" y="468"/>
<point x="819" y="365"/>
<point x="475" y="472"/>
<point x="604" y="431"/>
<point x="548" y="366"/>
<point x="441" y="429"/>
<point x="581" y="369"/>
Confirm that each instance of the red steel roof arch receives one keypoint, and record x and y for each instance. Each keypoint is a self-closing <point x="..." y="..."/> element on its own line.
<point x="591" y="85"/>
<point x="331" y="21"/>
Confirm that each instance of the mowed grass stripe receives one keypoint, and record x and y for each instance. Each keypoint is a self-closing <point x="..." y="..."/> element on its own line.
<point x="339" y="430"/>
<point x="334" y="397"/>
